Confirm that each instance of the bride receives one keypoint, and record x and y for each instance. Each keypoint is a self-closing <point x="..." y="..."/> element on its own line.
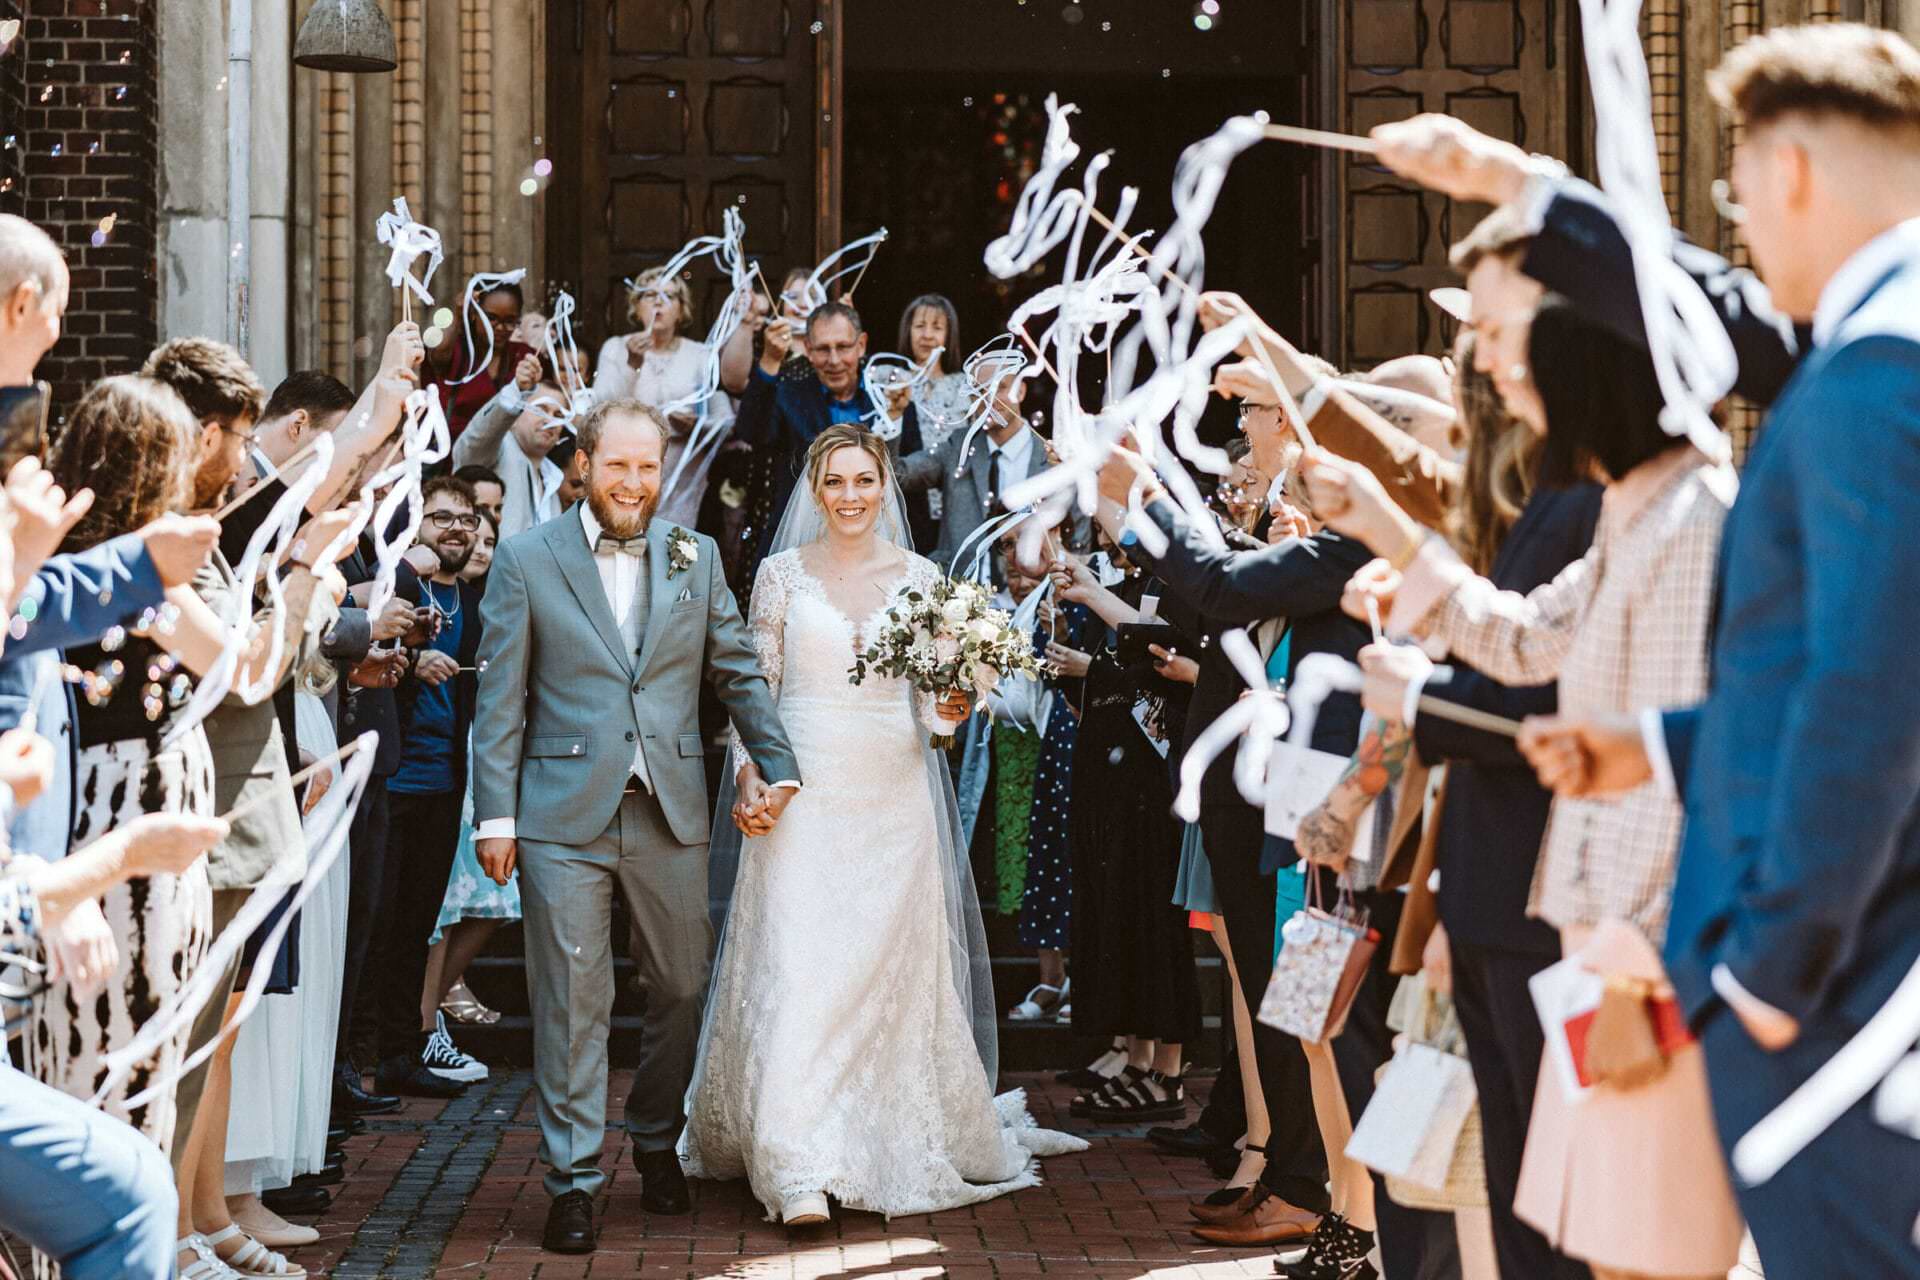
<point x="849" y="1046"/>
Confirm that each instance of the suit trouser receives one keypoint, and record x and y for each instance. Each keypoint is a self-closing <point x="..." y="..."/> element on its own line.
<point x="1415" y="1244"/>
<point x="1296" y="1164"/>
<point x="186" y="1098"/>
<point x="91" y="1193"/>
<point x="1225" y="1115"/>
<point x="566" y="897"/>
<point x="424" y="833"/>
<point x="1847" y="1204"/>
<point x="1504" y="1046"/>
<point x="367" y="860"/>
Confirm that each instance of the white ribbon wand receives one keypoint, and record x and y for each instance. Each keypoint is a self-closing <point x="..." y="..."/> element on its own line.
<point x="410" y="241"/>
<point x="815" y="291"/>
<point x="1261" y="715"/>
<point x="423" y="441"/>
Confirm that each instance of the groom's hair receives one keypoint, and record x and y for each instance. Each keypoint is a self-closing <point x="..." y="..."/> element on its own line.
<point x="593" y="422"/>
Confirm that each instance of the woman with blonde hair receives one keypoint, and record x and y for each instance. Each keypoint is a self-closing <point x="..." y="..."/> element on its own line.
<point x="660" y="366"/>
<point x="849" y="1049"/>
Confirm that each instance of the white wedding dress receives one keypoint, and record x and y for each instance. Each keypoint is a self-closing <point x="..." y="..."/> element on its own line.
<point x="840" y="1053"/>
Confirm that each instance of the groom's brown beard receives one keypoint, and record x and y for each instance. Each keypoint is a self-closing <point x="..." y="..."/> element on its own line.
<point x="615" y="520"/>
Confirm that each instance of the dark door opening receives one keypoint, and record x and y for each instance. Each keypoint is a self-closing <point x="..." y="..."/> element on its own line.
<point x="944" y="120"/>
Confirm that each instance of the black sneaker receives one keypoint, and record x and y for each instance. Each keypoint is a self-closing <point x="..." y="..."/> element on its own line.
<point x="444" y="1058"/>
<point x="1337" y="1251"/>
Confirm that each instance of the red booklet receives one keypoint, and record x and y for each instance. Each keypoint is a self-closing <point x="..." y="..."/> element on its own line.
<point x="1669" y="1029"/>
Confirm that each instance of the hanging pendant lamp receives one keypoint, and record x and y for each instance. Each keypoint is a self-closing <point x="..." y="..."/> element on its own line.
<point x="345" y="35"/>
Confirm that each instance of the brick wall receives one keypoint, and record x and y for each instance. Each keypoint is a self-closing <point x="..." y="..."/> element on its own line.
<point x="77" y="93"/>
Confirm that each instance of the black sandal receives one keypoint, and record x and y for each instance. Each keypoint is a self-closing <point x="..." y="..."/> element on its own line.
<point x="1083" y="1104"/>
<point x="1134" y="1101"/>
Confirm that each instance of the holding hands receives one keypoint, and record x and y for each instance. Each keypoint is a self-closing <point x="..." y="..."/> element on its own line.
<point x="758" y="806"/>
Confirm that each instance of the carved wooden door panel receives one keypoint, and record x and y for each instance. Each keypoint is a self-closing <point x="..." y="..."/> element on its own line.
<point x="666" y="111"/>
<point x="1500" y="65"/>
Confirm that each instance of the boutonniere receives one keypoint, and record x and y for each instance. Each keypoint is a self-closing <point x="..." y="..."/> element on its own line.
<point x="683" y="552"/>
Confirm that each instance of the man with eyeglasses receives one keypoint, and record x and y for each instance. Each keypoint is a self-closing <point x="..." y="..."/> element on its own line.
<point x="424" y="797"/>
<point x="783" y="408"/>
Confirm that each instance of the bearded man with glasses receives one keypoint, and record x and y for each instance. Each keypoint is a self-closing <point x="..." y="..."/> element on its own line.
<point x="435" y="707"/>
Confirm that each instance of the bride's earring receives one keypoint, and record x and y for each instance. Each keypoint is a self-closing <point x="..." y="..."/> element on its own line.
<point x="1517" y="374"/>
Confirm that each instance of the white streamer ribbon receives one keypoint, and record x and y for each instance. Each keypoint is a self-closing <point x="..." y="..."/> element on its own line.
<point x="817" y="291"/>
<point x="423" y="441"/>
<point x="1692" y="353"/>
<point x="479" y="285"/>
<point x="1256" y="721"/>
<point x="410" y="241"/>
<point x="324" y="835"/>
<point x="271" y="542"/>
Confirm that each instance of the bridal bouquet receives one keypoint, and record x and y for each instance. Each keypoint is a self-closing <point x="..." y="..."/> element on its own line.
<point x="948" y="640"/>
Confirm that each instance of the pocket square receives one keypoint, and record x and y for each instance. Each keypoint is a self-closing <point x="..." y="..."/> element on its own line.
<point x="686" y="594"/>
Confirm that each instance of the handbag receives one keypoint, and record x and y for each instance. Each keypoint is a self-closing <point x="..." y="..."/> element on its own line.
<point x="1323" y="957"/>
<point x="1421" y="1130"/>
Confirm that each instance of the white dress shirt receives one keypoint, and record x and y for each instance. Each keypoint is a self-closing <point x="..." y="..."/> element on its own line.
<point x="532" y="485"/>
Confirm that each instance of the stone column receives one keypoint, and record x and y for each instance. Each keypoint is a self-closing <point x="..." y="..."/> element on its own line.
<point x="374" y="307"/>
<point x="272" y="187"/>
<point x="193" y="171"/>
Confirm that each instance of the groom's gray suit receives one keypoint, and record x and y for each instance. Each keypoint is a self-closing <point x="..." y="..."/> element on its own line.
<point x="567" y="694"/>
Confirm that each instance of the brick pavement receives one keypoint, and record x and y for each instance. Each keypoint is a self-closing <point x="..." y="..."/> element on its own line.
<point x="446" y="1190"/>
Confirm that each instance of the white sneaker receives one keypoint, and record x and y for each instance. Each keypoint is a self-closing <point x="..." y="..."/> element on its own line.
<point x="808" y="1209"/>
<point x="444" y="1058"/>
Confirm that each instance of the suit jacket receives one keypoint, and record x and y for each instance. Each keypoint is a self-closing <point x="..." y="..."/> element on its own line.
<point x="966" y="480"/>
<point x="372" y="710"/>
<point x="781" y="416"/>
<point x="1301" y="580"/>
<point x="74" y="599"/>
<point x="1801" y="769"/>
<point x="1580" y="252"/>
<point x="1496" y="809"/>
<point x="563" y="702"/>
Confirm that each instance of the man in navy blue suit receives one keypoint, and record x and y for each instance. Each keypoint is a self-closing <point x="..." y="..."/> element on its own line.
<point x="1796" y="908"/>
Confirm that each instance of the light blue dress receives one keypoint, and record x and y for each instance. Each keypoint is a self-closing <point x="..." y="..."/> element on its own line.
<point x="471" y="894"/>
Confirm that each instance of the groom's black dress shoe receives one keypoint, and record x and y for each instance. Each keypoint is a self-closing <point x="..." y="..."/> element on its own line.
<point x="570" y="1224"/>
<point x="663" y="1187"/>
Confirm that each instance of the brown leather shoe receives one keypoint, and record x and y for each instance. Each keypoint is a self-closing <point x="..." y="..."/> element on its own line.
<point x="1268" y="1220"/>
<point x="1213" y="1214"/>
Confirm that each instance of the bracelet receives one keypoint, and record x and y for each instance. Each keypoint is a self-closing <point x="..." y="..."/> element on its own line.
<point x="1400" y="562"/>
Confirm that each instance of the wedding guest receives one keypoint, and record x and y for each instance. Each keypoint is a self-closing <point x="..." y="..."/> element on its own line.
<point x="489" y="490"/>
<point x="1045" y="906"/>
<point x="426" y="792"/>
<point x="503" y="305"/>
<point x="1626" y="620"/>
<point x="783" y="410"/>
<point x="1133" y="953"/>
<point x="475" y="906"/>
<point x="929" y="325"/>
<point x="63" y="599"/>
<point x="1494" y="812"/>
<point x="514" y="433"/>
<point x="661" y="366"/>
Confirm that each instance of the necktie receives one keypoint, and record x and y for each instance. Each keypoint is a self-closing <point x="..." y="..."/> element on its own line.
<point x="999" y="479"/>
<point x="630" y="546"/>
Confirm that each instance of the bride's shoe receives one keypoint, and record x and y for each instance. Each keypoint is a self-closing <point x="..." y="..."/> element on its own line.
<point x="807" y="1209"/>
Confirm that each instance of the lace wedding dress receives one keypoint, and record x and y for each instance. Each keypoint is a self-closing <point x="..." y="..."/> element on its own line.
<point x="840" y="1053"/>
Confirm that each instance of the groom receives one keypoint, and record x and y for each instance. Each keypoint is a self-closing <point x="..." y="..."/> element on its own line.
<point x="589" y="774"/>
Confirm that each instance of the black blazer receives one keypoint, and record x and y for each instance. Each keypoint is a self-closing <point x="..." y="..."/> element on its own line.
<point x="1580" y="253"/>
<point x="1496" y="810"/>
<point x="1301" y="580"/>
<point x="781" y="416"/>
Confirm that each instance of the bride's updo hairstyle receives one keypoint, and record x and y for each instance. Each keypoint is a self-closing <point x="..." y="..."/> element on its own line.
<point x="840" y="436"/>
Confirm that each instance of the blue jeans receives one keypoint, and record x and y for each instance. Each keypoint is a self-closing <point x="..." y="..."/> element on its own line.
<point x="82" y="1187"/>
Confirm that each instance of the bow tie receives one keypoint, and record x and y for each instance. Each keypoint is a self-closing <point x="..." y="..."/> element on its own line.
<point x="634" y="546"/>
